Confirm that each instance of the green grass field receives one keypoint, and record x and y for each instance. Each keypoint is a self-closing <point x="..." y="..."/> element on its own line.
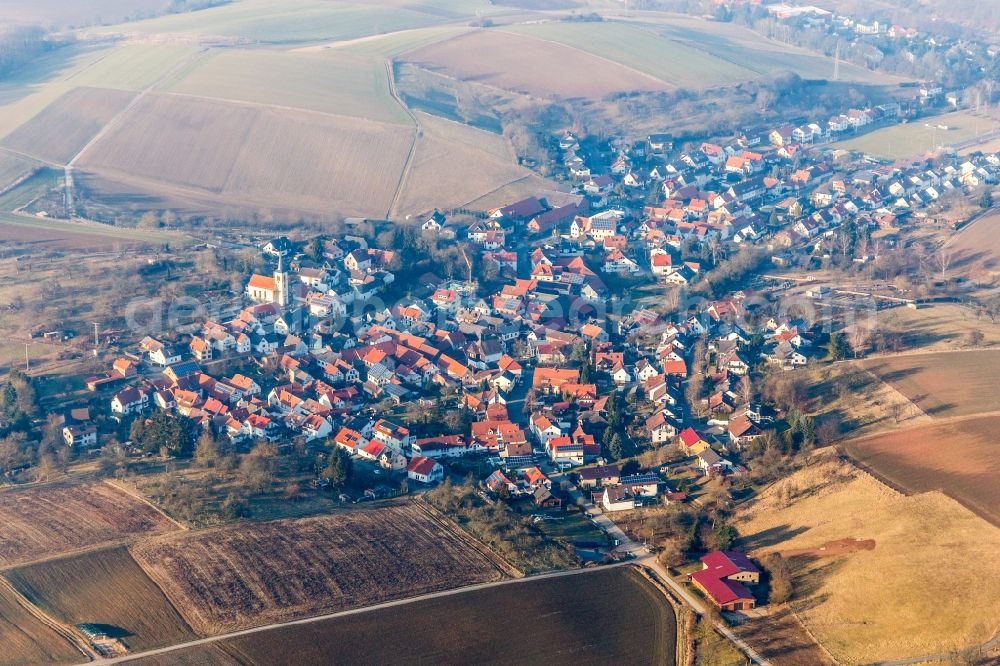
<point x="917" y="137"/>
<point x="271" y="21"/>
<point x="132" y="66"/>
<point x="13" y="167"/>
<point x="330" y="81"/>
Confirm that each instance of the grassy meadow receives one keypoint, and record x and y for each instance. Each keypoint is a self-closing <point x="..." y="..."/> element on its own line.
<point x="920" y="136"/>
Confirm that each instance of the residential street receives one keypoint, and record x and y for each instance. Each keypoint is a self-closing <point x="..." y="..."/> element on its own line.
<point x="643" y="556"/>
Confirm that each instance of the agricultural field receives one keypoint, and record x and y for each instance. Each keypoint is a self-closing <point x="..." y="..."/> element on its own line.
<point x="780" y="638"/>
<point x="28" y="640"/>
<point x="975" y="251"/>
<point x="23" y="231"/>
<point x="133" y="66"/>
<point x="331" y="82"/>
<point x="270" y="22"/>
<point x="69" y="13"/>
<point x="30" y="89"/>
<point x="223" y="579"/>
<point x="869" y="603"/>
<point x="107" y="588"/>
<point x="553" y="619"/>
<point x="388" y="45"/>
<point x="960" y="458"/>
<point x="530" y="66"/>
<point x="943" y="384"/>
<point x="45" y="521"/>
<point x="255" y="156"/>
<point x="13" y="167"/>
<point x="675" y="63"/>
<point x="454" y="164"/>
<point x="688" y="53"/>
<point x="938" y="327"/>
<point x="918" y="137"/>
<point x="59" y="132"/>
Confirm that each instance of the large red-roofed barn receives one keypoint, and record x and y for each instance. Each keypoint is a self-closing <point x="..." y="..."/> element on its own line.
<point x="722" y="580"/>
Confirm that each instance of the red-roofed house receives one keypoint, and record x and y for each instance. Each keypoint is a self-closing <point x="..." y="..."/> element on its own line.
<point x="424" y="470"/>
<point x="693" y="441"/>
<point x="722" y="580"/>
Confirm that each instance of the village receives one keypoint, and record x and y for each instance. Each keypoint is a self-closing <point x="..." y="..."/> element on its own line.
<point x="622" y="355"/>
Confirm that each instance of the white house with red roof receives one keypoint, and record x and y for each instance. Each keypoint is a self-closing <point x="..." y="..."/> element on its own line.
<point x="424" y="470"/>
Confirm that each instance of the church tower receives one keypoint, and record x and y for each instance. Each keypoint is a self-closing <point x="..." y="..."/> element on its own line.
<point x="281" y="286"/>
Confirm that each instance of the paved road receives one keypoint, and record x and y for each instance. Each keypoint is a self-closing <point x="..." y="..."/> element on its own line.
<point x="644" y="557"/>
<point x="355" y="611"/>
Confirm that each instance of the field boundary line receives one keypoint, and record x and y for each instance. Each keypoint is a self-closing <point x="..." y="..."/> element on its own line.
<point x="355" y="611"/>
<point x="934" y="422"/>
<point x="498" y="188"/>
<point x="81" y="225"/>
<point x="34" y="158"/>
<point x="418" y="129"/>
<point x="135" y="494"/>
<point x="921" y="352"/>
<point x="279" y="107"/>
<point x="68" y="634"/>
<point x="811" y="635"/>
<point x="132" y="104"/>
<point x="678" y="607"/>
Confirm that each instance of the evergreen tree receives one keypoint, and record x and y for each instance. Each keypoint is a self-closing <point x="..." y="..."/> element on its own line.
<point x="340" y="468"/>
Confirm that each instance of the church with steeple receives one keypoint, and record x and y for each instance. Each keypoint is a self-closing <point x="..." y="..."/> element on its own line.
<point x="275" y="289"/>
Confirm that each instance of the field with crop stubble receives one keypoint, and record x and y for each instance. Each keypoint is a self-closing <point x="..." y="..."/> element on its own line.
<point x="223" y="579"/>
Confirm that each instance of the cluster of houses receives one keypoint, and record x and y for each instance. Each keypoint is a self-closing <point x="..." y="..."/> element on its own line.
<point x="534" y="359"/>
<point x="303" y="377"/>
<point x="777" y="187"/>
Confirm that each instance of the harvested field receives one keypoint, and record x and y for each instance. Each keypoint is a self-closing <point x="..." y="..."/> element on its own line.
<point x="960" y="458"/>
<point x="107" y="588"/>
<point x="554" y="620"/>
<point x="530" y="66"/>
<point x="866" y="606"/>
<point x="255" y="156"/>
<point x="670" y="61"/>
<point x="454" y="164"/>
<point x="28" y="640"/>
<point x="689" y="53"/>
<point x="223" y="579"/>
<point x="332" y="82"/>
<point x="943" y="384"/>
<point x="44" y="521"/>
<point x="59" y="132"/>
<point x="185" y="141"/>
